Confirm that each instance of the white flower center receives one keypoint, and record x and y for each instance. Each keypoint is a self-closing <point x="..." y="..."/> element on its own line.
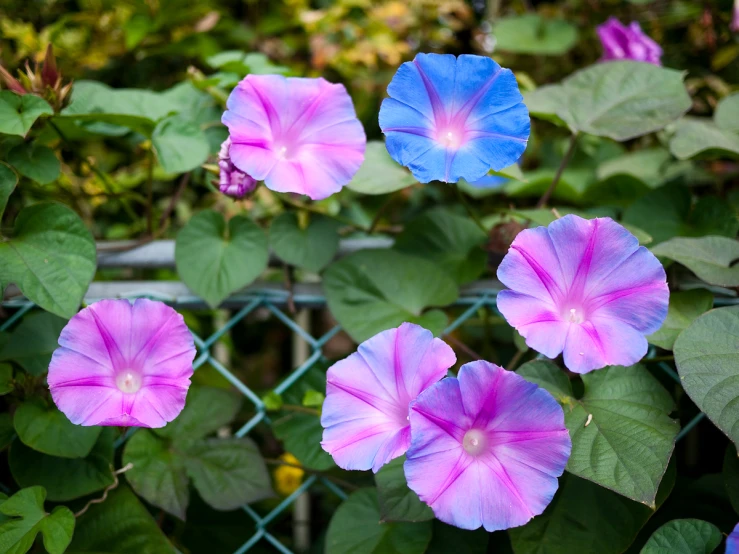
<point x="575" y="316"/>
<point x="128" y="381"/>
<point x="474" y="442"/>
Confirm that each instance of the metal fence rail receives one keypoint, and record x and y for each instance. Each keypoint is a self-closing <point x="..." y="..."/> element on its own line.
<point x="272" y="298"/>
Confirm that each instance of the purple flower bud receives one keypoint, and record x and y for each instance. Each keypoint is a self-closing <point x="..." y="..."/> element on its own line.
<point x="233" y="182"/>
<point x="627" y="43"/>
<point x="734" y="26"/>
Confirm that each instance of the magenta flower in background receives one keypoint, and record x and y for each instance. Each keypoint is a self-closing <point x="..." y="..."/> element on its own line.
<point x="627" y="43"/>
<point x="365" y="414"/>
<point x="486" y="448"/>
<point x="734" y="25"/>
<point x="232" y="181"/>
<point x="296" y="135"/>
<point x="732" y="541"/>
<point x="586" y="288"/>
<point x="124" y="364"/>
<point x="452" y="118"/>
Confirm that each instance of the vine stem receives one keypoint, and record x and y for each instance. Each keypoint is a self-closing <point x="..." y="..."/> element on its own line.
<point x="557" y="176"/>
<point x="467" y="207"/>
<point x="109" y="488"/>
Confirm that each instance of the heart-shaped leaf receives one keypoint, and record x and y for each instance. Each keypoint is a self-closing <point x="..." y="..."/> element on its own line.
<point x="32" y="343"/>
<point x="180" y="144"/>
<point x="712" y="259"/>
<point x="35" y="161"/>
<point x="684" y="536"/>
<point x="18" y="113"/>
<point x="397" y="501"/>
<point x="685" y="306"/>
<point x="533" y="34"/>
<point x="311" y="248"/>
<point x="379" y="173"/>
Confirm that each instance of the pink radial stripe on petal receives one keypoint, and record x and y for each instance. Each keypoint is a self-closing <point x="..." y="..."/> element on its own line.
<point x="486" y="448"/>
<point x="365" y="414"/>
<point x="297" y="135"/>
<point x="122" y="364"/>
<point x="585" y="288"/>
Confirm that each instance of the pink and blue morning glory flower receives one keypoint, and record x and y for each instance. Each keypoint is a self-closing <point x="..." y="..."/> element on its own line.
<point x="621" y="42"/>
<point x="585" y="288"/>
<point x="486" y="448"/>
<point x="123" y="364"/>
<point x="452" y="118"/>
<point x="297" y="135"/>
<point x="365" y="414"/>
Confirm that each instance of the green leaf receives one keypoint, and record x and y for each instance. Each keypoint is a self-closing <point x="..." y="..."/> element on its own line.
<point x="707" y="358"/>
<point x="453" y="242"/>
<point x="45" y="429"/>
<point x="622" y="436"/>
<point x="215" y="260"/>
<point x="398" y="502"/>
<point x="356" y="528"/>
<point x="8" y="181"/>
<point x="27" y="518"/>
<point x="710" y="258"/>
<point x="621" y="99"/>
<point x="311" y="248"/>
<point x="447" y="538"/>
<point x="730" y="474"/>
<point x="301" y="436"/>
<point x="35" y="161"/>
<point x="726" y="115"/>
<point x="120" y="525"/>
<point x="572" y="186"/>
<point x="693" y="137"/>
<point x="373" y="290"/>
<point x="313" y="399"/>
<point x="228" y="473"/>
<point x="207" y="410"/>
<point x="64" y="478"/>
<point x="532" y="34"/>
<point x="180" y="144"/>
<point x="158" y="472"/>
<point x="379" y="174"/>
<point x="51" y="258"/>
<point x="684" y="307"/>
<point x="584" y="517"/>
<point x="545" y="103"/>
<point x="34" y="340"/>
<point x="6" y="379"/>
<point x="684" y="536"/>
<point x="18" y="113"/>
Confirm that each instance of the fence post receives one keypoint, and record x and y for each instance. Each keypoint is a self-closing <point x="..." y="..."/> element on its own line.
<point x="301" y="508"/>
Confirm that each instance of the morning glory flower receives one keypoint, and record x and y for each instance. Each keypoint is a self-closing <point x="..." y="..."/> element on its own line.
<point x="232" y="181"/>
<point x="452" y="118"/>
<point x="586" y="288"/>
<point x="732" y="541"/>
<point x="297" y="135"/>
<point x="627" y="43"/>
<point x="365" y="414"/>
<point x="486" y="448"/>
<point x="734" y="25"/>
<point x="124" y="364"/>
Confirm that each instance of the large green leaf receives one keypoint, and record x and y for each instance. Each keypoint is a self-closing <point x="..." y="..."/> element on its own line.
<point x="51" y="258"/>
<point x="32" y="343"/>
<point x="622" y="436"/>
<point x="311" y="248"/>
<point x="396" y="500"/>
<point x="35" y="161"/>
<point x="18" y="113"/>
<point x="64" y="478"/>
<point x="180" y="144"/>
<point x="215" y="259"/>
<point x="26" y="518"/>
<point x="207" y="410"/>
<point x="684" y="536"/>
<point x="693" y="137"/>
<point x="685" y="306"/>
<point x="452" y="241"/>
<point x="301" y="436"/>
<point x="710" y="258"/>
<point x="228" y="473"/>
<point x="379" y="174"/>
<point x="158" y="473"/>
<point x="45" y="429"/>
<point x="373" y="290"/>
<point x="726" y="115"/>
<point x="8" y="180"/>
<point x="120" y="525"/>
<point x="620" y="99"/>
<point x="356" y="528"/>
<point x="707" y="359"/>
<point x="545" y="102"/>
<point x="584" y="517"/>
<point x="533" y="34"/>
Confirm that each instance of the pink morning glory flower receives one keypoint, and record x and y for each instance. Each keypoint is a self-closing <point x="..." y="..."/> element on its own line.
<point x="124" y="364"/>
<point x="452" y="118"/>
<point x="297" y="135"/>
<point x="734" y="25"/>
<point x="586" y="288"/>
<point x="627" y="43"/>
<point x="232" y="181"/>
<point x="365" y="414"/>
<point x="486" y="448"/>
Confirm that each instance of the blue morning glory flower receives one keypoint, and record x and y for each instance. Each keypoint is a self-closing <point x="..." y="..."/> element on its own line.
<point x="452" y="118"/>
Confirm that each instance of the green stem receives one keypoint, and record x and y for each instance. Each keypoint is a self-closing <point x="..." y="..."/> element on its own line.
<point x="472" y="214"/>
<point x="563" y="164"/>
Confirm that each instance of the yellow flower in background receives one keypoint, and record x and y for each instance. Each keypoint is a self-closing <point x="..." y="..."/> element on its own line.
<point x="287" y="477"/>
